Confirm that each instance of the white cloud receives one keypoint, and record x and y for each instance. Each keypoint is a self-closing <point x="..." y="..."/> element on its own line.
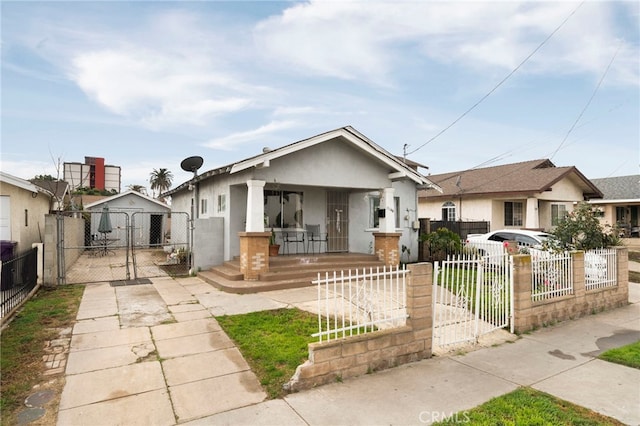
<point x="262" y="133"/>
<point x="155" y="87"/>
<point x="356" y="40"/>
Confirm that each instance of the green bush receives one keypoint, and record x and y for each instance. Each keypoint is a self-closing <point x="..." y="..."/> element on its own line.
<point x="441" y="243"/>
<point x="581" y="230"/>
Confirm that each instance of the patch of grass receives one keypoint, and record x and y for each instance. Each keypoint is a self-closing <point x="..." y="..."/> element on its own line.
<point x="634" y="256"/>
<point x="634" y="277"/>
<point x="273" y="342"/>
<point x="628" y="355"/>
<point x="526" y="406"/>
<point x="462" y="282"/>
<point x="23" y="340"/>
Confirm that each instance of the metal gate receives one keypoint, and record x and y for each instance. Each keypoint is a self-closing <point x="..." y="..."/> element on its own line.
<point x="337" y="221"/>
<point x="160" y="244"/>
<point x="105" y="245"/>
<point x="473" y="295"/>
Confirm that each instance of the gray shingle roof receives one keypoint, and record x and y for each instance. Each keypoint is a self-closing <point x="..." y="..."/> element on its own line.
<point x="619" y="188"/>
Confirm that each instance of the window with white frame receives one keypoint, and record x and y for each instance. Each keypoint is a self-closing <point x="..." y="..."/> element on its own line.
<point x="222" y="203"/>
<point x="558" y="212"/>
<point x="374" y="206"/>
<point x="203" y="206"/>
<point x="448" y="212"/>
<point x="513" y="213"/>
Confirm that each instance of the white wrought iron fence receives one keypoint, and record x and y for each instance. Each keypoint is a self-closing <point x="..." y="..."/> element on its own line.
<point x="360" y="301"/>
<point x="472" y="296"/>
<point x="600" y="268"/>
<point x="551" y="274"/>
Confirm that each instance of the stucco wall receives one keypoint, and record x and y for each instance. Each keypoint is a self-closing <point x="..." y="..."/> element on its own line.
<point x="27" y="215"/>
<point x="73" y="237"/>
<point x="332" y="164"/>
<point x="564" y="190"/>
<point x="208" y="248"/>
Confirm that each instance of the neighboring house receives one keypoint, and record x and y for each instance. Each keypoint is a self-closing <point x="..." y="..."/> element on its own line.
<point x="149" y="218"/>
<point x="620" y="203"/>
<point x="23" y="207"/>
<point x="340" y="180"/>
<point x="532" y="195"/>
<point x="59" y="189"/>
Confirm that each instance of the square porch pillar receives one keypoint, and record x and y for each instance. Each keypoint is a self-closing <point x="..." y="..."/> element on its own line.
<point x="254" y="254"/>
<point x="387" y="247"/>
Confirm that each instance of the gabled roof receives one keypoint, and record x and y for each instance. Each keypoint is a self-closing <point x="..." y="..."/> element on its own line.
<point x="526" y="178"/>
<point x="619" y="188"/>
<point x="401" y="170"/>
<point x="58" y="188"/>
<point x="124" y="194"/>
<point x="23" y="183"/>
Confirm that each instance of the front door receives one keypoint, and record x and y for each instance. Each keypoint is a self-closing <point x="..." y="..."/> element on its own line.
<point x="337" y="221"/>
<point x="155" y="230"/>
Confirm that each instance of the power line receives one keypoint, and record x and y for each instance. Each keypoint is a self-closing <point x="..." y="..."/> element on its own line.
<point x="588" y="102"/>
<point x="501" y="81"/>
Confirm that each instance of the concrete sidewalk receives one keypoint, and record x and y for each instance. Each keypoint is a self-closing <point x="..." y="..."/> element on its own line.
<point x="154" y="354"/>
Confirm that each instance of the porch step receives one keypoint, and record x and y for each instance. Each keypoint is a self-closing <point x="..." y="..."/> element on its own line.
<point x="285" y="271"/>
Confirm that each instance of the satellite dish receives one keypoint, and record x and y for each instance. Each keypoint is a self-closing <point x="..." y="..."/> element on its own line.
<point x="191" y="164"/>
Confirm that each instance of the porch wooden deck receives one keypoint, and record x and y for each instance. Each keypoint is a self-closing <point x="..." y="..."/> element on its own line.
<point x="286" y="271"/>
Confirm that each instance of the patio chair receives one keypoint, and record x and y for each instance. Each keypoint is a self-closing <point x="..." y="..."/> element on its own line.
<point x="314" y="236"/>
<point x="292" y="237"/>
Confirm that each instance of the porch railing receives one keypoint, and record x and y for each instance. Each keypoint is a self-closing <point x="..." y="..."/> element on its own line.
<point x="360" y="301"/>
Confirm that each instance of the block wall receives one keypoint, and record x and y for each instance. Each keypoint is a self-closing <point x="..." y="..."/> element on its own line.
<point x="357" y="355"/>
<point x="529" y="315"/>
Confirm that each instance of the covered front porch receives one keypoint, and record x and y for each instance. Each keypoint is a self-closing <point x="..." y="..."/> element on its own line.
<point x="311" y="220"/>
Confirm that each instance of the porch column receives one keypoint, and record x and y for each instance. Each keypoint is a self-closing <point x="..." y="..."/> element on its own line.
<point x="254" y="242"/>
<point x="533" y="216"/>
<point x="388" y="222"/>
<point x="255" y="206"/>
<point x="387" y="241"/>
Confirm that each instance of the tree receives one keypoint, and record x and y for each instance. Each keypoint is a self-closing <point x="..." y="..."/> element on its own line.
<point x="138" y="188"/>
<point x="160" y="180"/>
<point x="581" y="230"/>
<point x="47" y="178"/>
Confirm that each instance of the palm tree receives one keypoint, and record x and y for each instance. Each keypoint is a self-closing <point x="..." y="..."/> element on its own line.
<point x="138" y="188"/>
<point x="160" y="180"/>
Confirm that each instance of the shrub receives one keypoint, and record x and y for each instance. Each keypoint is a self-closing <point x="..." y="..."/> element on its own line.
<point x="441" y="243"/>
<point x="581" y="230"/>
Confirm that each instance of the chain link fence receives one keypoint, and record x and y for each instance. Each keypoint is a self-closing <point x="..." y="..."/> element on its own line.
<point x="108" y="245"/>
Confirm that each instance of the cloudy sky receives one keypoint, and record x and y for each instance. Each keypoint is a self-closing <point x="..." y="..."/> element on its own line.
<point x="145" y="84"/>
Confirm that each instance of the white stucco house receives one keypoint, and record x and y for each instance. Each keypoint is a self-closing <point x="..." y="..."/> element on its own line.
<point x="23" y="207"/>
<point x="531" y="195"/>
<point x="340" y="180"/>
